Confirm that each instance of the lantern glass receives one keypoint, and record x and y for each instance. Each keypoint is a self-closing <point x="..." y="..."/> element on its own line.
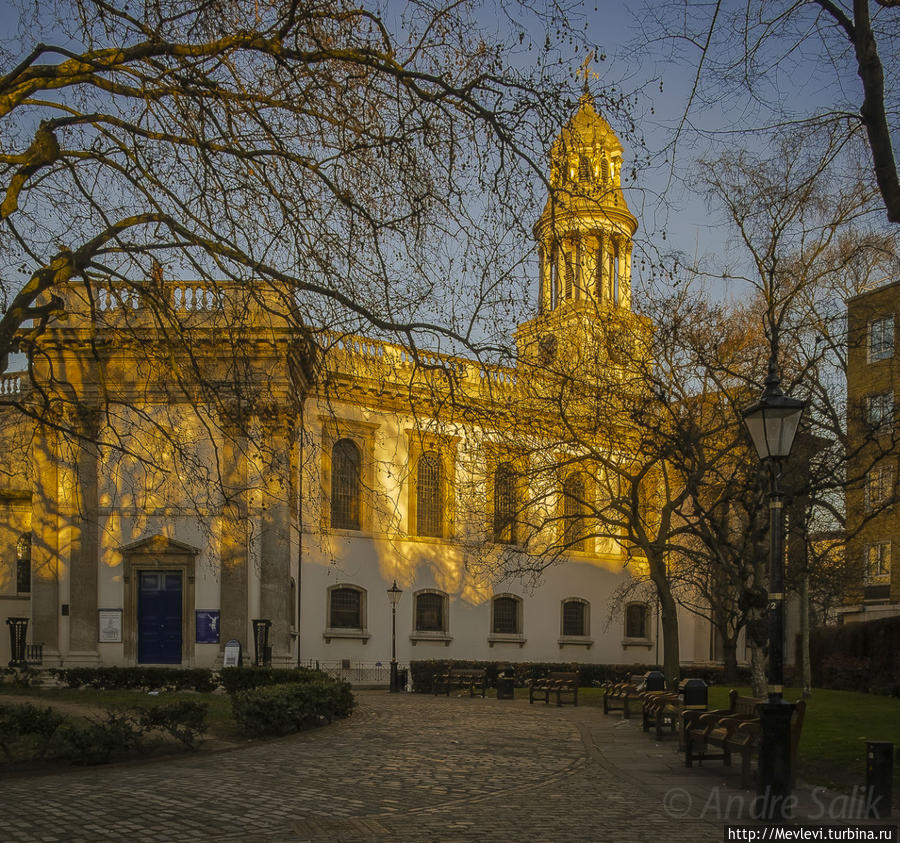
<point x="772" y="424"/>
<point x="394" y="593"/>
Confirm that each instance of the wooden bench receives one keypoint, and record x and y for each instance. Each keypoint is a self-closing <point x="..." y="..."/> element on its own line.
<point x="702" y="730"/>
<point x="473" y="678"/>
<point x="637" y="697"/>
<point x="666" y="710"/>
<point x="615" y="693"/>
<point x="744" y="741"/>
<point x="660" y="709"/>
<point x="559" y="683"/>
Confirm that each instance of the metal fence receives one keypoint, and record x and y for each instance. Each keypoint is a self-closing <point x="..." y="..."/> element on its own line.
<point x="355" y="671"/>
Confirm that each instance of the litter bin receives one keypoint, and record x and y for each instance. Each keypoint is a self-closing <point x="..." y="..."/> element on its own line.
<point x="879" y="778"/>
<point x="694" y="694"/>
<point x="402" y="678"/>
<point x="654" y="680"/>
<point x="506" y="686"/>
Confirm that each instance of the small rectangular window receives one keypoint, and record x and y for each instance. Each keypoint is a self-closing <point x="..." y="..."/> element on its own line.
<point x="881" y="338"/>
<point x="636" y="621"/>
<point x="880" y="411"/>
<point x="506" y="616"/>
<point x="345" y="609"/>
<point x="429" y="612"/>
<point x="878" y="563"/>
<point x="573" y="618"/>
<point x="879" y="486"/>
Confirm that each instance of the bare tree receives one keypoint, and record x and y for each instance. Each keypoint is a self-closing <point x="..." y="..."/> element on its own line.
<point x="803" y="218"/>
<point x="754" y="55"/>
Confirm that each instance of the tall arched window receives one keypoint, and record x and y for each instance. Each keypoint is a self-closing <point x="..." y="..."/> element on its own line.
<point x="584" y="168"/>
<point x="636" y="621"/>
<point x="23" y="564"/>
<point x="429" y="496"/>
<point x="574" y="508"/>
<point x="345" y="482"/>
<point x="505" y="504"/>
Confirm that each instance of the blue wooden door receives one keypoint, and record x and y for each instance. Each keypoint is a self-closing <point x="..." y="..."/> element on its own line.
<point x="159" y="617"/>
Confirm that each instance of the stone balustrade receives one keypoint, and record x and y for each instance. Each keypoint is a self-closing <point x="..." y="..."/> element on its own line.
<point x="12" y="384"/>
<point x="362" y="351"/>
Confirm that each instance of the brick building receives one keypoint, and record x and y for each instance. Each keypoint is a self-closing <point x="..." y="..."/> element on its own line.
<point x="873" y="525"/>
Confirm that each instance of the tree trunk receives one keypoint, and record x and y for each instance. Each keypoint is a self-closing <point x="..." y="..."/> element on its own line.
<point x="758" y="680"/>
<point x="804" y="635"/>
<point x="669" y="619"/>
<point x="729" y="654"/>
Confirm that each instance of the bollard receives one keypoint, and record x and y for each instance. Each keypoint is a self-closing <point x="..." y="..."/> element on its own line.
<point x="879" y="778"/>
<point x="18" y="631"/>
<point x="261" y="651"/>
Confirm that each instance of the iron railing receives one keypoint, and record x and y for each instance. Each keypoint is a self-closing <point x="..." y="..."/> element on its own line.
<point x="355" y="671"/>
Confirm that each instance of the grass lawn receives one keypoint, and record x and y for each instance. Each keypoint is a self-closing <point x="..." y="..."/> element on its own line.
<point x="836" y="727"/>
<point x="221" y="723"/>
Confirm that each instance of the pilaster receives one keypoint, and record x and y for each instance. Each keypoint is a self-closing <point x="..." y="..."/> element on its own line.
<point x="234" y="539"/>
<point x="83" y="543"/>
<point x="45" y="609"/>
<point x="275" y="536"/>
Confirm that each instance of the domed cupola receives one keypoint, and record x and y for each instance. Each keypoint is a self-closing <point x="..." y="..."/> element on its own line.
<point x="585" y="231"/>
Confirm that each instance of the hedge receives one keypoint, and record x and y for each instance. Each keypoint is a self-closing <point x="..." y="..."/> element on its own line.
<point x="143" y="678"/>
<point x="28" y="733"/>
<point x="234" y="679"/>
<point x="590" y="675"/>
<point x="857" y="656"/>
<point x="282" y="709"/>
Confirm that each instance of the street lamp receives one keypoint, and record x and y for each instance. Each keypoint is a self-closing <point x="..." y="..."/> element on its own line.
<point x="393" y="594"/>
<point x="772" y="422"/>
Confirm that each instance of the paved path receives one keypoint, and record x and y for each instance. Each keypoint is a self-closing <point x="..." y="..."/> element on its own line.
<point x="402" y="768"/>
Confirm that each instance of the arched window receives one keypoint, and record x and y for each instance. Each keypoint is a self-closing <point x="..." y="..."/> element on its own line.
<point x="345" y="607"/>
<point x="429" y="496"/>
<point x="345" y="482"/>
<point x="575" y="617"/>
<point x="506" y="615"/>
<point x="584" y="168"/>
<point x="505" y="504"/>
<point x="604" y="170"/>
<point x="431" y="612"/>
<point x="23" y="564"/>
<point x="636" y="621"/>
<point x="574" y="506"/>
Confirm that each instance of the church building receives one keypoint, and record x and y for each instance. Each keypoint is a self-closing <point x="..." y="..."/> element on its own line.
<point x="186" y="464"/>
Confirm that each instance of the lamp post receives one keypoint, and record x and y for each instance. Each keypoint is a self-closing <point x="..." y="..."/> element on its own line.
<point x="772" y="423"/>
<point x="393" y="594"/>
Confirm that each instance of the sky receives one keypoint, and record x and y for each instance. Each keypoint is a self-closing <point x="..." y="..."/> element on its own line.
<point x="670" y="215"/>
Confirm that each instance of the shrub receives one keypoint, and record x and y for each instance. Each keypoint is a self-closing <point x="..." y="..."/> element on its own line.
<point x="143" y="678"/>
<point x="857" y="656"/>
<point x="845" y="673"/>
<point x="282" y="709"/>
<point x="234" y="679"/>
<point x="19" y="720"/>
<point x="96" y="741"/>
<point x="184" y="720"/>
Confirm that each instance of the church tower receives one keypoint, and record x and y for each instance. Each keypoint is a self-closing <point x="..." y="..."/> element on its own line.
<point x="584" y="237"/>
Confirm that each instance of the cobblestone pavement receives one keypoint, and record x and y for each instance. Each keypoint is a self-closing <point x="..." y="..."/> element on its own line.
<point x="403" y="767"/>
